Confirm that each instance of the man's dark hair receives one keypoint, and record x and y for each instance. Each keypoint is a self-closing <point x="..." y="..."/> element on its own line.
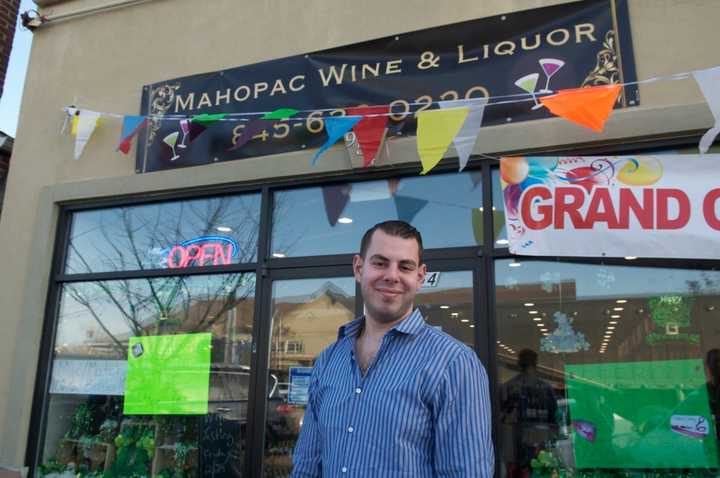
<point x="527" y="359"/>
<point x="393" y="228"/>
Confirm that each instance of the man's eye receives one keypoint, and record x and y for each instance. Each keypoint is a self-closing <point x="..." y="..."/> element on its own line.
<point x="378" y="263"/>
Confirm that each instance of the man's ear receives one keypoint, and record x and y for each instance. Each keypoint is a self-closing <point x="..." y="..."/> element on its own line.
<point x="422" y="270"/>
<point x="357" y="266"/>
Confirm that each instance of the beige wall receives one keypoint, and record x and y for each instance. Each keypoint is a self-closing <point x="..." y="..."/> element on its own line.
<point x="101" y="61"/>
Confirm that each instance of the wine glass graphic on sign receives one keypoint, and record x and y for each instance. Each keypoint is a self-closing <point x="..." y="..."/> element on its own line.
<point x="528" y="83"/>
<point x="170" y="140"/>
<point x="185" y="127"/>
<point x="550" y="66"/>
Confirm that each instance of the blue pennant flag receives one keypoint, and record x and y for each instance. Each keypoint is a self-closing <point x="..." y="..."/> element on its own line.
<point x="336" y="127"/>
<point x="408" y="207"/>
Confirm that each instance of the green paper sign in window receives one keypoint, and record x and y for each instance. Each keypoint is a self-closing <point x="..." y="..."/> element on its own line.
<point x="641" y="415"/>
<point x="168" y="375"/>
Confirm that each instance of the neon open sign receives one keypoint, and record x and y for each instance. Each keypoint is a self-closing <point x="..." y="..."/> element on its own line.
<point x="202" y="251"/>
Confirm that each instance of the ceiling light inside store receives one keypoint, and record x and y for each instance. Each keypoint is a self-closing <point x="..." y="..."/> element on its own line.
<point x="543" y="330"/>
<point x="454" y="314"/>
<point x="278" y="255"/>
<point x="615" y="316"/>
<point x="528" y="304"/>
<point x="444" y="306"/>
<point x="464" y="320"/>
<point x="514" y="263"/>
<point x="540" y="324"/>
<point x="537" y="319"/>
<point x="345" y="220"/>
<point x="710" y="308"/>
<point x="630" y="258"/>
<point x="532" y="311"/>
<point x="224" y="229"/>
<point x="502" y="242"/>
<point x="611" y="328"/>
<point x="618" y="309"/>
<point x="621" y="301"/>
<point x="612" y="322"/>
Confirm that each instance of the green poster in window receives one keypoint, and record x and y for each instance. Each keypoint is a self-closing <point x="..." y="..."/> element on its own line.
<point x="168" y="375"/>
<point x="641" y="415"/>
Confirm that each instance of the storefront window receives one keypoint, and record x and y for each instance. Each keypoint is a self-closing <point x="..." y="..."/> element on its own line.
<point x="306" y="315"/>
<point x="111" y="416"/>
<point x="176" y="235"/>
<point x="446" y="302"/>
<point x="606" y="371"/>
<point x="498" y="211"/>
<point x="332" y="219"/>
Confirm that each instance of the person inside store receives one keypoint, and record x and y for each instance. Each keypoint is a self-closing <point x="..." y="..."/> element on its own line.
<point x="394" y="396"/>
<point x="528" y="406"/>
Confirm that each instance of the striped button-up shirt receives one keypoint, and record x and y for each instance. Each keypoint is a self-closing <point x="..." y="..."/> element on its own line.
<point x="421" y="410"/>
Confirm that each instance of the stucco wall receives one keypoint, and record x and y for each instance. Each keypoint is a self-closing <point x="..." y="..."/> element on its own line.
<point x="101" y="62"/>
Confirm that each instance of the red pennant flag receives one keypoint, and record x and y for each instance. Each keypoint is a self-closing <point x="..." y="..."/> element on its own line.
<point x="589" y="107"/>
<point x="370" y="130"/>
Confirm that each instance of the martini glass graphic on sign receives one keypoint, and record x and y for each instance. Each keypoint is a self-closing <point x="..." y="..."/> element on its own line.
<point x="528" y="83"/>
<point x="185" y="127"/>
<point x="550" y="66"/>
<point x="170" y="140"/>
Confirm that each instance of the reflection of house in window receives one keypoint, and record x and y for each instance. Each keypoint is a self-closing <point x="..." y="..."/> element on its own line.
<point x="294" y="347"/>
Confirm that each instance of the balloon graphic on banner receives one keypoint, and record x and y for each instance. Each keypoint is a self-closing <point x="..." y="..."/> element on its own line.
<point x="528" y="83"/>
<point x="514" y="170"/>
<point x="641" y="172"/>
<point x="550" y="66"/>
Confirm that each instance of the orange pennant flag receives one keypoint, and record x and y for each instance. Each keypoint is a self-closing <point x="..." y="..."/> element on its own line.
<point x="589" y="107"/>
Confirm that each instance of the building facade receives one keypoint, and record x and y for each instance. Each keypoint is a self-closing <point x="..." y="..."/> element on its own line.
<point x="107" y="257"/>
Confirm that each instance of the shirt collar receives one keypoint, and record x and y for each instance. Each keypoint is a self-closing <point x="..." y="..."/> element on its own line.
<point x="411" y="325"/>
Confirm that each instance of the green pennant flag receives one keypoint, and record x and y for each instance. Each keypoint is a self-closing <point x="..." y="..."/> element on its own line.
<point x="206" y="119"/>
<point x="168" y="375"/>
<point x="281" y="113"/>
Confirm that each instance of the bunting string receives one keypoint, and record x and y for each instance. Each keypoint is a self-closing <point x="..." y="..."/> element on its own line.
<point x="491" y="101"/>
<point x="455" y="122"/>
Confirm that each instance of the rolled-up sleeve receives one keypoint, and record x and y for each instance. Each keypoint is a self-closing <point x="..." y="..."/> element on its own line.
<point x="307" y="462"/>
<point x="462" y="438"/>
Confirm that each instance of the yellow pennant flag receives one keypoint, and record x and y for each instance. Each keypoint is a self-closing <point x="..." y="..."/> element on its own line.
<point x="436" y="130"/>
<point x="75" y="121"/>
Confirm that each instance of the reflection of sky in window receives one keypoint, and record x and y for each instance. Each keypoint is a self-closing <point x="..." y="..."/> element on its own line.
<point x="600" y="281"/>
<point x="306" y="288"/>
<point x="80" y="324"/>
<point x="301" y="226"/>
<point x="139" y="237"/>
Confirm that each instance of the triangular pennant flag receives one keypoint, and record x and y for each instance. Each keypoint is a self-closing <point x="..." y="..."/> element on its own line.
<point x="435" y="131"/>
<point x="252" y="128"/>
<point x="86" y="123"/>
<point x="465" y="140"/>
<point x="709" y="82"/>
<point x="476" y="178"/>
<point x="74" y="126"/>
<point x="370" y="131"/>
<point x="206" y="119"/>
<point x="336" y="127"/>
<point x="407" y="207"/>
<point x="335" y="199"/>
<point x="393" y="186"/>
<point x="280" y="113"/>
<point x="589" y="107"/>
<point x="131" y="127"/>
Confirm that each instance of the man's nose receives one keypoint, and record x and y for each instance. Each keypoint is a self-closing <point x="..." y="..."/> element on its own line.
<point x="392" y="272"/>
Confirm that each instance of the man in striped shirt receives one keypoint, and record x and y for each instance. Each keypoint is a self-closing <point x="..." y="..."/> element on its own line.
<point x="393" y="396"/>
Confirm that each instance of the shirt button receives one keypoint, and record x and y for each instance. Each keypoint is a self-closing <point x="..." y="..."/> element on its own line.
<point x="351" y="429"/>
<point x="344" y="469"/>
<point x="358" y="391"/>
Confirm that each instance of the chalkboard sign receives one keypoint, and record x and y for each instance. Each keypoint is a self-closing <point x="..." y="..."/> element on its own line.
<point x="221" y="451"/>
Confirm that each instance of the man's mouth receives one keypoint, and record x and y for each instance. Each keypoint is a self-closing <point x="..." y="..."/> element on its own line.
<point x="389" y="292"/>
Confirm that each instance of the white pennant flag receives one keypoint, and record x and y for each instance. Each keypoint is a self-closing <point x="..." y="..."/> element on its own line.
<point x="709" y="81"/>
<point x="87" y="120"/>
<point x="465" y="140"/>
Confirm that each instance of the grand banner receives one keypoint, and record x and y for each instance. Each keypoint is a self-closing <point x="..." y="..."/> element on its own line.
<point x="617" y="206"/>
<point x="536" y="51"/>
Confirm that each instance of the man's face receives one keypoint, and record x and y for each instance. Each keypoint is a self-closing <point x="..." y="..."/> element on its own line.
<point x="389" y="276"/>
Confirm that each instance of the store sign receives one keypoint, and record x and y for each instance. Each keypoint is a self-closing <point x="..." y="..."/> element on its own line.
<point x="202" y="251"/>
<point x="431" y="279"/>
<point x="88" y="377"/>
<point x="562" y="46"/>
<point x="616" y="206"/>
<point x="299" y="385"/>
